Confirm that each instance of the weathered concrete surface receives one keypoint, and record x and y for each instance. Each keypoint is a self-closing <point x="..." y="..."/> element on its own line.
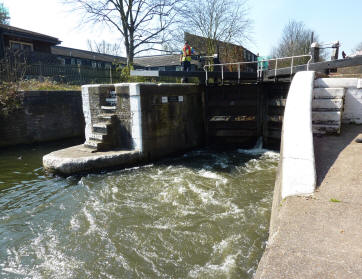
<point x="43" y="116"/>
<point x="314" y="237"/>
<point x="79" y="159"/>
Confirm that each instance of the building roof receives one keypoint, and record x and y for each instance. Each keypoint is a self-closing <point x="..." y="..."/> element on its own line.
<point x="85" y="54"/>
<point x="203" y="40"/>
<point x="26" y="34"/>
<point x="159" y="60"/>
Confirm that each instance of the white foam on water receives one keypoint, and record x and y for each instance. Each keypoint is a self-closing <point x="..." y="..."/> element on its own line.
<point x="74" y="223"/>
<point x="205" y="196"/>
<point x="218" y="248"/>
<point x="254" y="151"/>
<point x="212" y="175"/>
<point x="114" y="189"/>
<point x="92" y="225"/>
<point x="212" y="270"/>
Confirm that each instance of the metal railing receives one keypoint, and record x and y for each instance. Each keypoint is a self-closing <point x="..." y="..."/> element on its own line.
<point x="260" y="65"/>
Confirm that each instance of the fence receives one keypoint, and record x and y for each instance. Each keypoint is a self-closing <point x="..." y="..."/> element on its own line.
<point x="72" y="74"/>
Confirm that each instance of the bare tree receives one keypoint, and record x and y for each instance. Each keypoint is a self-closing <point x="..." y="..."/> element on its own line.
<point x="105" y="48"/>
<point x="4" y="14"/>
<point x="358" y="47"/>
<point x="217" y="20"/>
<point x="140" y="23"/>
<point x="296" y="40"/>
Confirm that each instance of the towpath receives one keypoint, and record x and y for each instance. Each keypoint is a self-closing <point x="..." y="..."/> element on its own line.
<point x="321" y="236"/>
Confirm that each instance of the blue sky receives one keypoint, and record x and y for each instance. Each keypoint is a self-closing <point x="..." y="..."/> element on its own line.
<point x="332" y="20"/>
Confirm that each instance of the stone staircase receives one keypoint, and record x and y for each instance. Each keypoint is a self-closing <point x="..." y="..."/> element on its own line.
<point x="103" y="129"/>
<point x="327" y="109"/>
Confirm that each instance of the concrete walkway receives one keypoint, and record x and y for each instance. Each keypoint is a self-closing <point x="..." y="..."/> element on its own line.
<point x="321" y="236"/>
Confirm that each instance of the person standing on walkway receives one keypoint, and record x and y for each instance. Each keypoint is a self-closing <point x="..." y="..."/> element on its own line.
<point x="185" y="57"/>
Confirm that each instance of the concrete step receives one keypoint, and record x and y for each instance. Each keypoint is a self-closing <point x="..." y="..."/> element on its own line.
<point x="336" y="82"/>
<point x="92" y="144"/>
<point x="328" y="93"/>
<point x="108" y="108"/>
<point x="96" y="145"/>
<point x="97" y="136"/>
<point x="323" y="129"/>
<point x="101" y="127"/>
<point x="326" y="117"/>
<point x="106" y="116"/>
<point x="111" y="100"/>
<point x="327" y="104"/>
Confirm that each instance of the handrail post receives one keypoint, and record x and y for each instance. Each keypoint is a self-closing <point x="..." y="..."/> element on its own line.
<point x="239" y="73"/>
<point x="275" y="68"/>
<point x="222" y="74"/>
<point x="291" y="66"/>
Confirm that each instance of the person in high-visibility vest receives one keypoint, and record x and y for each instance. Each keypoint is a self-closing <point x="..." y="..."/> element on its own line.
<point x="185" y="57"/>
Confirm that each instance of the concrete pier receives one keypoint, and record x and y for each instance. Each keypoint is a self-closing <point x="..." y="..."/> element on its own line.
<point x="79" y="159"/>
<point x="143" y="121"/>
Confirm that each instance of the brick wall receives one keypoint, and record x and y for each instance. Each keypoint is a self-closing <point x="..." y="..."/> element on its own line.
<point x="45" y="116"/>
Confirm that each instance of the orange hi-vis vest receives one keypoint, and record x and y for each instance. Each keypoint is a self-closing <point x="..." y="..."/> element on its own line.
<point x="186" y="53"/>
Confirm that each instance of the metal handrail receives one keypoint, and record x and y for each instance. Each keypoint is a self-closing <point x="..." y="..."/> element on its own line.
<point x="259" y="65"/>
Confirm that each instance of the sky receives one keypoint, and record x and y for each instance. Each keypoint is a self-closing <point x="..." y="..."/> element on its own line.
<point x="331" y="20"/>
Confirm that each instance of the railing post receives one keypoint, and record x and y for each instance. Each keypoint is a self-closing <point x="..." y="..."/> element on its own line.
<point x="222" y="74"/>
<point x="238" y="73"/>
<point x="275" y="69"/>
<point x="314" y="49"/>
<point x="291" y="66"/>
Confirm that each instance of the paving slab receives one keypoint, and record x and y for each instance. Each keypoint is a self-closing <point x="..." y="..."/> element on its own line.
<point x="321" y="236"/>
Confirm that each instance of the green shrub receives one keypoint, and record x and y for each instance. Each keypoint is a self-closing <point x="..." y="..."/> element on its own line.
<point x="10" y="98"/>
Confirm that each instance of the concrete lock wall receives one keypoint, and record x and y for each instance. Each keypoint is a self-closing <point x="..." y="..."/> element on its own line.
<point x="44" y="116"/>
<point x="155" y="119"/>
<point x="171" y="118"/>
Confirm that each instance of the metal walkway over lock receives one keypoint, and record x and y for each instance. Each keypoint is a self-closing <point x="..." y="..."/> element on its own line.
<point x="250" y="104"/>
<point x="260" y="74"/>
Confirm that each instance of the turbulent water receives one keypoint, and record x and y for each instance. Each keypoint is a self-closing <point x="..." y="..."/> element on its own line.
<point x="201" y="215"/>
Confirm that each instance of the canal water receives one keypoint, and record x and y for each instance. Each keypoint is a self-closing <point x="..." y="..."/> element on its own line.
<point x="204" y="214"/>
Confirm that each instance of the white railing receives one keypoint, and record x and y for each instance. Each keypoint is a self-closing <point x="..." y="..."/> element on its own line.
<point x="259" y="65"/>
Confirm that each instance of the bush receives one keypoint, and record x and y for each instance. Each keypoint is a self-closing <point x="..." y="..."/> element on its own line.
<point x="10" y="98"/>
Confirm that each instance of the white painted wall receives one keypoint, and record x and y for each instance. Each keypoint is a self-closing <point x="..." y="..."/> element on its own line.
<point x="135" y="106"/>
<point x="352" y="106"/>
<point x="86" y="111"/>
<point x="298" y="176"/>
<point x="353" y="96"/>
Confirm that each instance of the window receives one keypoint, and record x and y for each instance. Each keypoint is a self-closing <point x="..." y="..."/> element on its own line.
<point x="79" y="62"/>
<point x="72" y="61"/>
<point x="107" y="66"/>
<point x="94" y="64"/>
<point x="15" y="45"/>
<point x="61" y="60"/>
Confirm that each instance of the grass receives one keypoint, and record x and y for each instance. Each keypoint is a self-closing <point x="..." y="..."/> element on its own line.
<point x="45" y="85"/>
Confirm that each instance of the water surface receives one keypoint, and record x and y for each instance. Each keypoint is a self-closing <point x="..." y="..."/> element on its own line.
<point x="201" y="215"/>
